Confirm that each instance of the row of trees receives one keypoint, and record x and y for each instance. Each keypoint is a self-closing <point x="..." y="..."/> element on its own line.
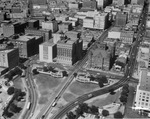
<point x="82" y="108"/>
<point x="124" y="94"/>
<point x="12" y="73"/>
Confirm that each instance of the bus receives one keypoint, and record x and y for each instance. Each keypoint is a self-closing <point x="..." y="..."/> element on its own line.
<point x="28" y="105"/>
<point x="54" y="104"/>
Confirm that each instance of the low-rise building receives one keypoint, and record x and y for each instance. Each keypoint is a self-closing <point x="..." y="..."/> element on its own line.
<point x="115" y="33"/>
<point x="127" y="36"/>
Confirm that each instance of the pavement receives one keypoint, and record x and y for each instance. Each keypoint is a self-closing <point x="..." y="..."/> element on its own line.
<point x="27" y="95"/>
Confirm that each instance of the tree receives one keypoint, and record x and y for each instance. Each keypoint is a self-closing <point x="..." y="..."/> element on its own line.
<point x="123" y="99"/>
<point x="7" y="113"/>
<point x="102" y="79"/>
<point x="84" y="107"/>
<point x="79" y="112"/>
<point x="92" y="78"/>
<point x="14" y="108"/>
<point x="105" y="113"/>
<point x="124" y="93"/>
<point x="45" y="69"/>
<point x="11" y="90"/>
<point x="34" y="71"/>
<point x="118" y="115"/>
<point x="65" y="73"/>
<point x="94" y="109"/>
<point x="70" y="115"/>
<point x="112" y="91"/>
<point x="100" y="83"/>
<point x="75" y="74"/>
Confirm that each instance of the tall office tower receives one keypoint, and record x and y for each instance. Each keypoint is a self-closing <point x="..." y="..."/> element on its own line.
<point x="142" y="98"/>
<point x="50" y="25"/>
<point x="10" y="29"/>
<point x="47" y="52"/>
<point x="121" y="2"/>
<point x="134" y="1"/>
<point x="69" y="51"/>
<point x="101" y="21"/>
<point x="103" y="3"/>
<point x="121" y="19"/>
<point x="28" y="44"/>
<point x="92" y="4"/>
<point x="33" y="24"/>
<point x="9" y="58"/>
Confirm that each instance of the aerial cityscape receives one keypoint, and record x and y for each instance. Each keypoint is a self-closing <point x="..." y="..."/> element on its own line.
<point x="74" y="59"/>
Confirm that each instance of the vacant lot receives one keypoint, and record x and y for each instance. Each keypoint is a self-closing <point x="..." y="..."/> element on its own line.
<point x="46" y="85"/>
<point x="82" y="88"/>
<point x="104" y="99"/>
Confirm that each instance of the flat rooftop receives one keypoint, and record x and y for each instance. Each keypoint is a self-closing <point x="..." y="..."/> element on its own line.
<point x="48" y="44"/>
<point x="27" y="37"/>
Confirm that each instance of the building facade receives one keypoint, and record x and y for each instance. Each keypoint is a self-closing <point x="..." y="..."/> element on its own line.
<point x="47" y="52"/>
<point x="46" y="34"/>
<point x="9" y="58"/>
<point x="142" y="99"/>
<point x="69" y="51"/>
<point x="100" y="59"/>
<point x="28" y="45"/>
<point x="121" y="19"/>
<point x="50" y="25"/>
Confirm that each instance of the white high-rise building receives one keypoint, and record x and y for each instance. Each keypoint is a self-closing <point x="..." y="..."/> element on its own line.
<point x="50" y="25"/>
<point x="47" y="52"/>
<point x="142" y="99"/>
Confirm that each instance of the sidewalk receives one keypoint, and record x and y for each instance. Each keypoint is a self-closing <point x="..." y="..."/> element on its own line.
<point x="27" y="95"/>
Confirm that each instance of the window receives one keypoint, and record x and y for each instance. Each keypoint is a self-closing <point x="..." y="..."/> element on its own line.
<point x="143" y="93"/>
<point x="143" y="99"/>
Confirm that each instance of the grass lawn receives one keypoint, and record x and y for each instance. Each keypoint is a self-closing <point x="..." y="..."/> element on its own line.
<point x="46" y="84"/>
<point x="82" y="88"/>
<point x="18" y="83"/>
<point x="106" y="100"/>
<point x="68" y="97"/>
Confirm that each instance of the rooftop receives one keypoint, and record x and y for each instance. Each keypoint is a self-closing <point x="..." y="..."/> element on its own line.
<point x="48" y="44"/>
<point x="117" y="29"/>
<point x="27" y="37"/>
